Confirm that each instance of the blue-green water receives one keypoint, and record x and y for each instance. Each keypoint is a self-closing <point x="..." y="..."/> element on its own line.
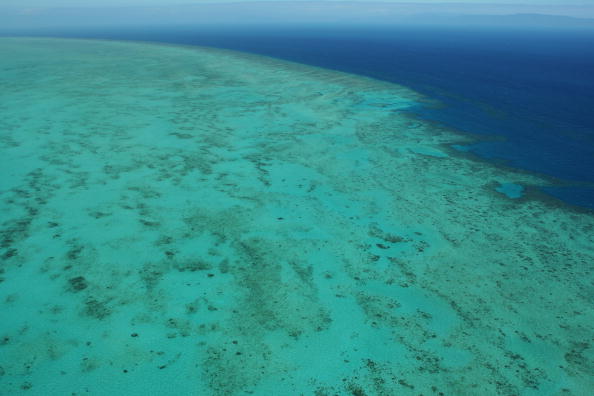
<point x="192" y="221"/>
<point x="511" y="190"/>
<point x="524" y="94"/>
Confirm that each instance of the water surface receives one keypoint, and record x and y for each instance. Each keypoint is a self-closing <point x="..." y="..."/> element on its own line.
<point x="193" y="221"/>
<point x="525" y="94"/>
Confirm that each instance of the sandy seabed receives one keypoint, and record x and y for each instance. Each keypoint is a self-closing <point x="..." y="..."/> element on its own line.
<point x="192" y="221"/>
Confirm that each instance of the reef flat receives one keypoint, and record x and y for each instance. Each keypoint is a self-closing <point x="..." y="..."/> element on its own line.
<point x="192" y="221"/>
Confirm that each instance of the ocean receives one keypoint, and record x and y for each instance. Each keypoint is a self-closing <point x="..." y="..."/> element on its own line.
<point x="189" y="220"/>
<point x="525" y="94"/>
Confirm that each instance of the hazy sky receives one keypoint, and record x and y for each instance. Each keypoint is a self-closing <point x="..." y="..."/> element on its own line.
<point x="65" y="13"/>
<point x="95" y="3"/>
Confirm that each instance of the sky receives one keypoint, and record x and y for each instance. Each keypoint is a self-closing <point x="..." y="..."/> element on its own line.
<point x="104" y="3"/>
<point x="66" y="13"/>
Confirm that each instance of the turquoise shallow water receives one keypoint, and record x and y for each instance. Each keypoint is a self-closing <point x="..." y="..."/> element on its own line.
<point x="202" y="222"/>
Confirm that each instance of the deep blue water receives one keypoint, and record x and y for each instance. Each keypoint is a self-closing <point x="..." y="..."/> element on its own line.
<point x="528" y="94"/>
